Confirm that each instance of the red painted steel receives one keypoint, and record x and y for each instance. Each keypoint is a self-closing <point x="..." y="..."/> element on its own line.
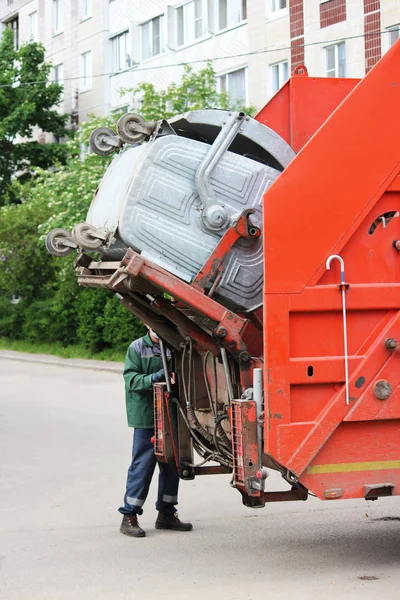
<point x="159" y="424"/>
<point x="302" y="105"/>
<point x="340" y="195"/>
<point x="244" y="445"/>
<point x="234" y="332"/>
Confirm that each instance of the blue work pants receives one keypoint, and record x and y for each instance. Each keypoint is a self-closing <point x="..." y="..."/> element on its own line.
<point x="140" y="474"/>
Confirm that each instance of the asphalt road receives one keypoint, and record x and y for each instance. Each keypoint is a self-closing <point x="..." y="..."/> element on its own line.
<point x="64" y="451"/>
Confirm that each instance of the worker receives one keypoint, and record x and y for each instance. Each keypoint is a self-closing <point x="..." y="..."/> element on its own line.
<point x="143" y="367"/>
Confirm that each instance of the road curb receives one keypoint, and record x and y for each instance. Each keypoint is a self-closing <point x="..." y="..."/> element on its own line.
<point x="58" y="361"/>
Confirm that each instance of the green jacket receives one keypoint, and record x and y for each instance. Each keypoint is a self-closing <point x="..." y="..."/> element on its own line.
<point x="142" y="360"/>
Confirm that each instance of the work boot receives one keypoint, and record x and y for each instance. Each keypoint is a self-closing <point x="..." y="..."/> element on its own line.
<point x="130" y="526"/>
<point x="172" y="522"/>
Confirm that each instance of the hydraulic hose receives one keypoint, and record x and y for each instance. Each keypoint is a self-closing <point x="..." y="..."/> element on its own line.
<point x="224" y="451"/>
<point x="187" y="392"/>
<point x="198" y="443"/>
<point x="218" y="428"/>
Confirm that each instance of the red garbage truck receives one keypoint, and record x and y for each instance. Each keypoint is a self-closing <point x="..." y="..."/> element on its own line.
<point x="266" y="254"/>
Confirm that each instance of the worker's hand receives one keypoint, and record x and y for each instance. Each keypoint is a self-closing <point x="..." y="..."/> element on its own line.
<point x="159" y="376"/>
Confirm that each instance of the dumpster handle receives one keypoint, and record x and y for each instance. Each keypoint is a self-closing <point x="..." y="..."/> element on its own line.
<point x="215" y="215"/>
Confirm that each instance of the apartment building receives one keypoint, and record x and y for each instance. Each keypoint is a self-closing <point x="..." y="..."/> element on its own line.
<point x="75" y="35"/>
<point x="254" y="45"/>
<point x="99" y="47"/>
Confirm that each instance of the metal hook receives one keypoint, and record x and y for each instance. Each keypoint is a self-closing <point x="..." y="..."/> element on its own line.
<point x="340" y="259"/>
<point x="383" y="219"/>
<point x="342" y="287"/>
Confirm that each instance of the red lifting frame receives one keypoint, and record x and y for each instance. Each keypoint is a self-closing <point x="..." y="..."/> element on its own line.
<point x="331" y="200"/>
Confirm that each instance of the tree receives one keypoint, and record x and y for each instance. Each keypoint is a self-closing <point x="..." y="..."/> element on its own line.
<point x="27" y="101"/>
<point x="196" y="90"/>
<point x="53" y="307"/>
<point x="24" y="266"/>
<point x="69" y="189"/>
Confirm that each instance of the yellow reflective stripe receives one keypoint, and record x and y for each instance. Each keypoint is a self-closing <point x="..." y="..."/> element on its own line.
<point x="357" y="466"/>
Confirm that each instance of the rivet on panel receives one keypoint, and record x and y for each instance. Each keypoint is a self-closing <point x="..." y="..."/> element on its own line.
<point x="391" y="344"/>
<point x="382" y="389"/>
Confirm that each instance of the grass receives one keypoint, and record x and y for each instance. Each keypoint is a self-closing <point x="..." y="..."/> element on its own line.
<point x="56" y="349"/>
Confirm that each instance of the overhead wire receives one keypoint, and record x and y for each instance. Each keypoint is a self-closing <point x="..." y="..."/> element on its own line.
<point x="136" y="69"/>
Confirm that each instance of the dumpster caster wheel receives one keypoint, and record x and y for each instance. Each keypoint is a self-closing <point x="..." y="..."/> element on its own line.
<point x="103" y="141"/>
<point x="131" y="128"/>
<point x="85" y="236"/>
<point x="59" y="242"/>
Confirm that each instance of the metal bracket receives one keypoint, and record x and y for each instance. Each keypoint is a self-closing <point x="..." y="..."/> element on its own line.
<point x="115" y="141"/>
<point x="163" y="128"/>
<point x="211" y="272"/>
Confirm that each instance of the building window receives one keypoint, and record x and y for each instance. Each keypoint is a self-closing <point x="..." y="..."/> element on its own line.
<point x="57" y="16"/>
<point x="151" y="38"/>
<point x="58" y="76"/>
<point x="335" y="60"/>
<point x="120" y="57"/>
<point x="234" y="84"/>
<point x="15" y="29"/>
<point x="276" y="8"/>
<point x="278" y="5"/>
<point x="32" y="27"/>
<point x="122" y="110"/>
<point x="190" y="22"/>
<point x="393" y="34"/>
<point x="231" y="12"/>
<point x="199" y="18"/>
<point x="86" y="9"/>
<point x="86" y="71"/>
<point x="279" y="75"/>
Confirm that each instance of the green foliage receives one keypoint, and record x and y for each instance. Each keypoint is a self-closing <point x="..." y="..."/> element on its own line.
<point x="197" y="90"/>
<point x="57" y="349"/>
<point x="69" y="189"/>
<point x="53" y="308"/>
<point x="10" y="318"/>
<point x="120" y="327"/>
<point x="64" y="293"/>
<point x="39" y="321"/>
<point x="25" y="267"/>
<point x="25" y="105"/>
<point x="90" y="307"/>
